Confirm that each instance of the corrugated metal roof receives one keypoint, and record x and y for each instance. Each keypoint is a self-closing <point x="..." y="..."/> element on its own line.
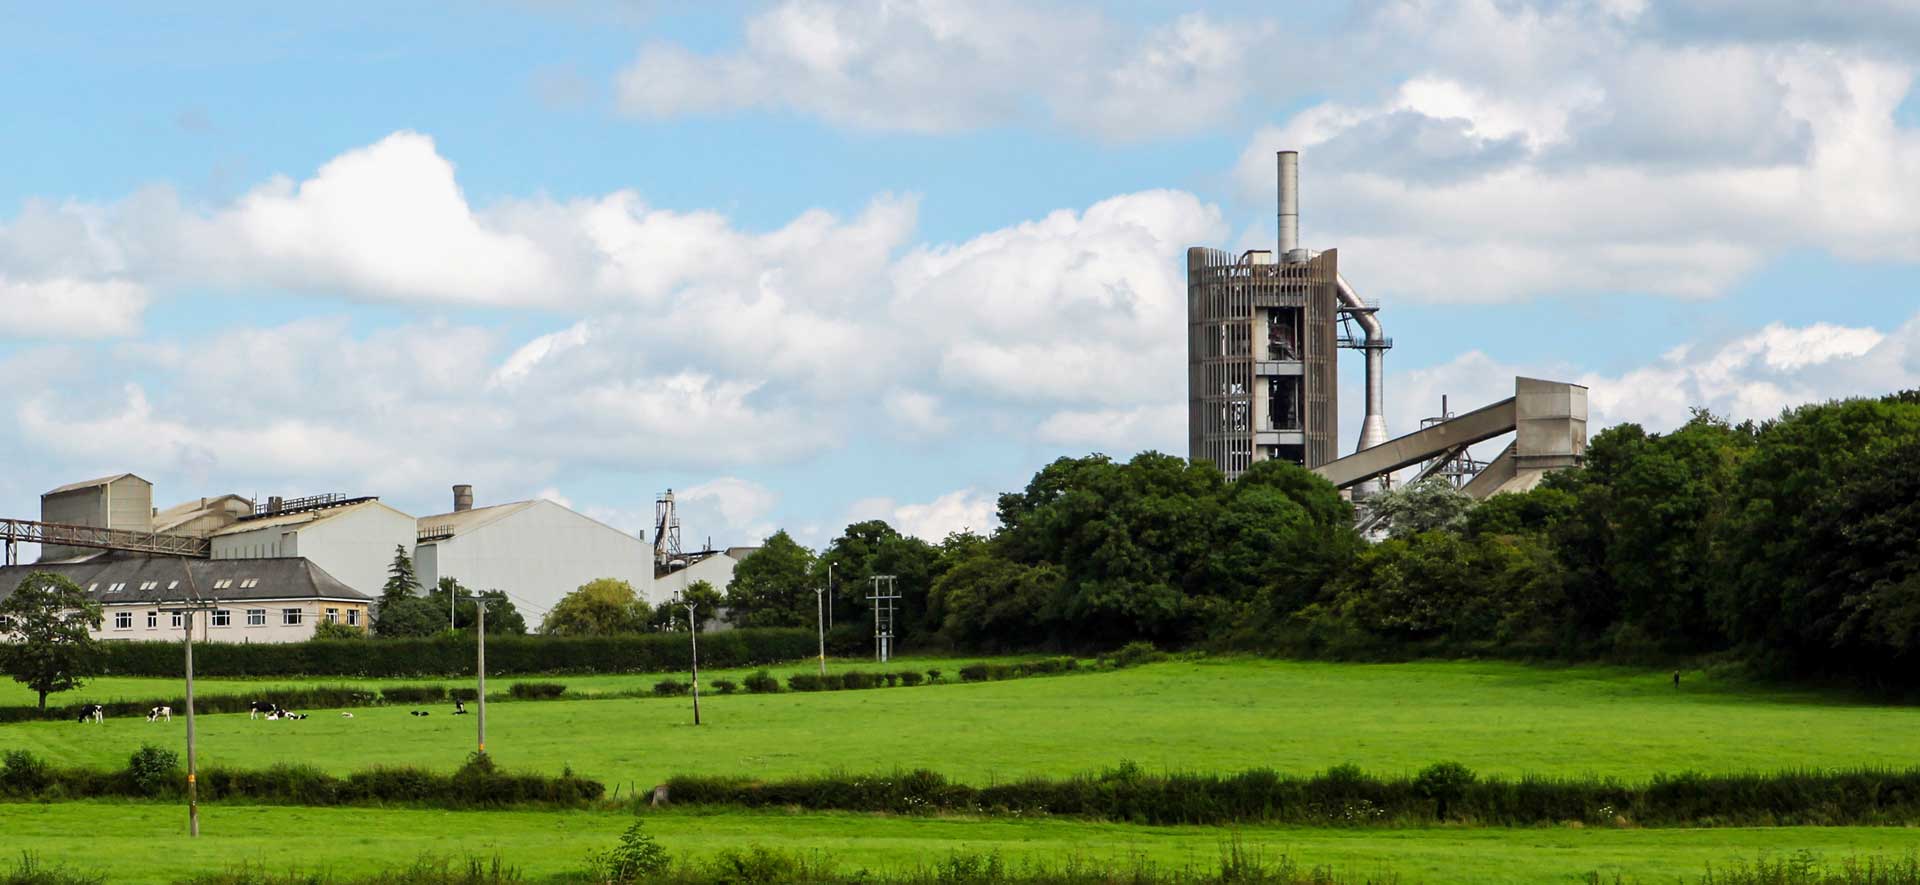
<point x="127" y="578"/>
<point x="90" y="483"/>
<point x="466" y="521"/>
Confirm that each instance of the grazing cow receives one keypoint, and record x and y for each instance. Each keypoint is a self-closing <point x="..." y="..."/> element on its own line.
<point x="257" y="708"/>
<point x="92" y="713"/>
<point x="459" y="707"/>
<point x="159" y="713"/>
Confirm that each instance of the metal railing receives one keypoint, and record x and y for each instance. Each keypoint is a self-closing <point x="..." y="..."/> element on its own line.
<point x="26" y="531"/>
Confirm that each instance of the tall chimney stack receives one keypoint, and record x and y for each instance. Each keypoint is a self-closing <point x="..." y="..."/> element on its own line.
<point x="462" y="498"/>
<point x="1290" y="207"/>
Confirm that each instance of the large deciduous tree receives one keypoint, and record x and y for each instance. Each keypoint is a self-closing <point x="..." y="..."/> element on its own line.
<point x="46" y="641"/>
<point x="600" y="607"/>
<point x="773" y="587"/>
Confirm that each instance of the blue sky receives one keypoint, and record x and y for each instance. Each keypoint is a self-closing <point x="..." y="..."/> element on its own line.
<point x="812" y="261"/>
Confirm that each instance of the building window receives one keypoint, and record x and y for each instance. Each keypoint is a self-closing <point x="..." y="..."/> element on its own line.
<point x="176" y="619"/>
<point x="173" y="585"/>
<point x="247" y="583"/>
<point x="153" y="620"/>
<point x="117" y="587"/>
<point x="222" y="617"/>
<point x="223" y="584"/>
<point x="333" y="616"/>
<point x="123" y="620"/>
<point x="353" y="617"/>
<point x="290" y="617"/>
<point x="256" y="617"/>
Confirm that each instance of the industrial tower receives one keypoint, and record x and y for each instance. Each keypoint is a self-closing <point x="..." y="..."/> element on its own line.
<point x="1263" y="333"/>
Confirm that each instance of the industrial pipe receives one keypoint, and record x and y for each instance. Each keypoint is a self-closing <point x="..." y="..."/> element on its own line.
<point x="1373" y="431"/>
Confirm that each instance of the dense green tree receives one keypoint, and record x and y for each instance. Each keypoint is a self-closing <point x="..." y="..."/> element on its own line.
<point x="1428" y="505"/>
<point x="870" y="548"/>
<point x="600" y="607"/>
<point x="987" y="601"/>
<point x="408" y="616"/>
<point x="1865" y="555"/>
<point x="774" y="586"/>
<point x="46" y="641"/>
<point x="1442" y="585"/>
<point x="401" y="581"/>
<point x="672" y="614"/>
<point x="503" y="617"/>
<point x="1779" y="583"/>
<point x="335" y="630"/>
<point x="1280" y="535"/>
<point x="1537" y="511"/>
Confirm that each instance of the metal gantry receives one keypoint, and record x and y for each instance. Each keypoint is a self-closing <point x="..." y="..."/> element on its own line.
<point x="883" y="598"/>
<point x="25" y="531"/>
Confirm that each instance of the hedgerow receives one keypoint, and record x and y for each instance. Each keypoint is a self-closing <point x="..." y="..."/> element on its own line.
<point x="453" y="656"/>
<point x="156" y="773"/>
<point x="1345" y="796"/>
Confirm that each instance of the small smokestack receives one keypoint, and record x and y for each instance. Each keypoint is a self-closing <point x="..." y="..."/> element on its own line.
<point x="462" y="498"/>
<point x="1290" y="206"/>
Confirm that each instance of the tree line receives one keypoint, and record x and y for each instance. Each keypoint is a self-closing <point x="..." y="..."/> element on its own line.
<point x="1792" y="542"/>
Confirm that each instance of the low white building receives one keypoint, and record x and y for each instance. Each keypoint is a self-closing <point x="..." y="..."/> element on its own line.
<point x="254" y="600"/>
<point x="534" y="551"/>
<point x="353" y="539"/>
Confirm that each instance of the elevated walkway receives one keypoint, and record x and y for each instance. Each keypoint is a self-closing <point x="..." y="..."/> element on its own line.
<point x="1548" y="418"/>
<point x="22" y="531"/>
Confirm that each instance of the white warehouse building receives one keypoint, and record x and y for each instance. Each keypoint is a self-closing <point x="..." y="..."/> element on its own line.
<point x="352" y="539"/>
<point x="534" y="551"/>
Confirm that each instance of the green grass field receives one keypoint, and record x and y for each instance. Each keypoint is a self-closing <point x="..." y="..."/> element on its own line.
<point x="145" y="843"/>
<point x="1211" y="715"/>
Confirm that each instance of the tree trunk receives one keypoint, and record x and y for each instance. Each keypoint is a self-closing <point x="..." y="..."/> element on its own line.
<point x="43" y="700"/>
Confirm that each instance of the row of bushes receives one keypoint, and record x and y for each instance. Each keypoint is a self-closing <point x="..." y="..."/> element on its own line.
<point x="1346" y="796"/>
<point x="155" y="773"/>
<point x="993" y="671"/>
<point x="453" y="656"/>
<point x="856" y="680"/>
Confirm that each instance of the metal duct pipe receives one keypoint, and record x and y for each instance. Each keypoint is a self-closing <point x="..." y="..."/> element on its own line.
<point x="1373" y="431"/>
<point x="1289" y="205"/>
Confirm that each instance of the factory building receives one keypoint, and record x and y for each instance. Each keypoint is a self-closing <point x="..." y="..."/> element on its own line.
<point x="536" y="551"/>
<point x="1263" y="335"/>
<point x="353" y="539"/>
<point x="123" y="502"/>
<point x="260" y="600"/>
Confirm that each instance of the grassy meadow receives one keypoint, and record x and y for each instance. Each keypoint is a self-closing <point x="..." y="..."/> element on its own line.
<point x="1207" y="715"/>
<point x="120" y="839"/>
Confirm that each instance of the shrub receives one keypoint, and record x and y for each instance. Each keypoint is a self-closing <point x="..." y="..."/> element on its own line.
<point x="414" y="694"/>
<point x="762" y="683"/>
<point x="973" y="673"/>
<point x="933" y="675"/>
<point x="1136" y="653"/>
<point x="857" y="679"/>
<point x="806" y="682"/>
<point x="1047" y="666"/>
<point x="154" y="771"/>
<point x="725" y="686"/>
<point x="463" y="694"/>
<point x="24" y="774"/>
<point x="1443" y="782"/>
<point x="637" y="857"/>
<point x="910" y="678"/>
<point x="893" y="679"/>
<point x="669" y="688"/>
<point x="536" y="691"/>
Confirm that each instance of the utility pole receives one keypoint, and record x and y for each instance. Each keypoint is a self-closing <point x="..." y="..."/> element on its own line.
<point x="883" y="616"/>
<point x="693" y="635"/>
<point x="820" y="621"/>
<point x="829" y="596"/>
<point x="480" y="667"/>
<point x="186" y="612"/>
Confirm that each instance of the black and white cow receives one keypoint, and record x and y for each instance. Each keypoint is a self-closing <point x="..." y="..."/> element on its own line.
<point x="459" y="707"/>
<point x="92" y="713"/>
<point x="259" y="708"/>
<point x="159" y="713"/>
<point x="420" y="713"/>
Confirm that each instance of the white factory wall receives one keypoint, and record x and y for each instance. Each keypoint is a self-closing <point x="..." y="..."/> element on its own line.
<point x="538" y="554"/>
<point x="356" y="546"/>
<point x="716" y="570"/>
